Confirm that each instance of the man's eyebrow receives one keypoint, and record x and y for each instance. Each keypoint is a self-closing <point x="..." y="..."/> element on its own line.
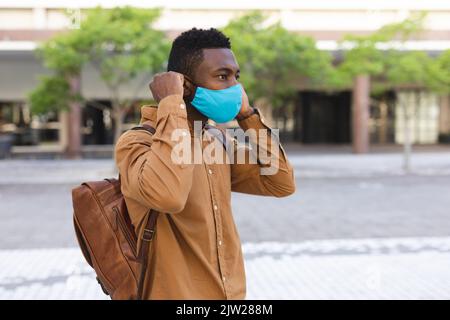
<point x="227" y="69"/>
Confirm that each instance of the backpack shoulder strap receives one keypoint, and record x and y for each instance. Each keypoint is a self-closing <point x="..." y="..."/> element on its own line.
<point x="146" y="127"/>
<point x="149" y="230"/>
<point x="147" y="238"/>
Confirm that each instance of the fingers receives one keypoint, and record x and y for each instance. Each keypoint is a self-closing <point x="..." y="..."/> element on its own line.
<point x="181" y="76"/>
<point x="166" y="83"/>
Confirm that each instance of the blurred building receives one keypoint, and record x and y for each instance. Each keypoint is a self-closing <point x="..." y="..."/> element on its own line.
<point x="318" y="117"/>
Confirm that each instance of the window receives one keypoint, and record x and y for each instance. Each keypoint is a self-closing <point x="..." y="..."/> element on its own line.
<point x="420" y="110"/>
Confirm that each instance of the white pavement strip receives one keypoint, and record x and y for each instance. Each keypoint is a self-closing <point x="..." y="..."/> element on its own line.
<point x="403" y="268"/>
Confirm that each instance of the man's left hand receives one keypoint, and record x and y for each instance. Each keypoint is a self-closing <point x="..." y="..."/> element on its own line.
<point x="246" y="109"/>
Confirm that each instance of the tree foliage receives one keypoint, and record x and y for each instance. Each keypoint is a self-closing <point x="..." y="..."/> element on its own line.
<point x="273" y="60"/>
<point x="383" y="56"/>
<point x="120" y="43"/>
<point x="439" y="71"/>
<point x="366" y="55"/>
<point x="51" y="94"/>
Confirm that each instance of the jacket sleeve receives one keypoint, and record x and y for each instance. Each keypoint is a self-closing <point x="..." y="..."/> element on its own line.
<point x="148" y="174"/>
<point x="270" y="175"/>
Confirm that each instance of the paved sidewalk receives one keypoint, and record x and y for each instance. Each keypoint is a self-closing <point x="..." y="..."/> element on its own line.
<point x="395" y="226"/>
<point x="409" y="268"/>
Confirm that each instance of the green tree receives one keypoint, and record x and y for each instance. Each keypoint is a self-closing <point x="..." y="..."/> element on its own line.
<point x="367" y="59"/>
<point x="52" y="94"/>
<point x="365" y="55"/>
<point x="120" y="43"/>
<point x="394" y="67"/>
<point x="415" y="70"/>
<point x="61" y="90"/>
<point x="407" y="70"/>
<point x="439" y="73"/>
<point x="273" y="60"/>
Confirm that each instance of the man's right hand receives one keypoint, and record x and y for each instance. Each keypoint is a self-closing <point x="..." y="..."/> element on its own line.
<point x="165" y="84"/>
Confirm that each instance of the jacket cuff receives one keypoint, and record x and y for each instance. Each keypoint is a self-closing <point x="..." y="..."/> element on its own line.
<point x="255" y="121"/>
<point x="172" y="105"/>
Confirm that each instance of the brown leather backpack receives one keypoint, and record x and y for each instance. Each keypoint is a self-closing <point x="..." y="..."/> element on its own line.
<point x="107" y="237"/>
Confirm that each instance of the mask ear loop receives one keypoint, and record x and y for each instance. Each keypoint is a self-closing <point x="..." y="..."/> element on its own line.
<point x="191" y="97"/>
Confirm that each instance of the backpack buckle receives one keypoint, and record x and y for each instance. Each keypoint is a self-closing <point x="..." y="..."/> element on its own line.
<point x="148" y="235"/>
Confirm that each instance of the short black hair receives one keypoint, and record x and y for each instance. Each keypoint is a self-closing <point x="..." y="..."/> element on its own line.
<point x="187" y="49"/>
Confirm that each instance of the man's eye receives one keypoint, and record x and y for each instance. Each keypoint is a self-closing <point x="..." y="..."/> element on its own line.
<point x="222" y="77"/>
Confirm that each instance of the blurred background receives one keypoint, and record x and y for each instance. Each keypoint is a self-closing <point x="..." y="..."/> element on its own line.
<point x="360" y="91"/>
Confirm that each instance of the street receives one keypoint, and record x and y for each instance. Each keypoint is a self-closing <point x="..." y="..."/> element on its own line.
<point x="357" y="227"/>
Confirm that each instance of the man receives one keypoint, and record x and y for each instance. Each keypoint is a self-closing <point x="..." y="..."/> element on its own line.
<point x="196" y="252"/>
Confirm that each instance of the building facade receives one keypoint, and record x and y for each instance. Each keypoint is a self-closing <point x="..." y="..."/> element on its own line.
<point x="317" y="117"/>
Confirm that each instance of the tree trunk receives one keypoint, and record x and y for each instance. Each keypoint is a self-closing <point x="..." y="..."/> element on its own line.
<point x="118" y="117"/>
<point x="285" y="117"/>
<point x="407" y="143"/>
<point x="298" y="118"/>
<point x="360" y="114"/>
<point x="73" y="150"/>
<point x="382" y="133"/>
<point x="410" y="114"/>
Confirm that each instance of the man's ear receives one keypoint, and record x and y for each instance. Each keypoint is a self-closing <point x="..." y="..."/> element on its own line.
<point x="188" y="88"/>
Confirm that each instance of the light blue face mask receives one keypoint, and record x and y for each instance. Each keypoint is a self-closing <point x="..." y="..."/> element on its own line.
<point x="219" y="105"/>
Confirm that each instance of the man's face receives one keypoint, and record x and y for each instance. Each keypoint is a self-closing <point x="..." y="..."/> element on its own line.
<point x="218" y="69"/>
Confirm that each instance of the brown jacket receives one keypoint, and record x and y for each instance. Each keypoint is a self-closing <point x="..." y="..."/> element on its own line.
<point x="196" y="253"/>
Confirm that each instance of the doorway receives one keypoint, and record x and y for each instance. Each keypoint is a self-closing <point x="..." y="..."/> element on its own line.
<point x="322" y="117"/>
